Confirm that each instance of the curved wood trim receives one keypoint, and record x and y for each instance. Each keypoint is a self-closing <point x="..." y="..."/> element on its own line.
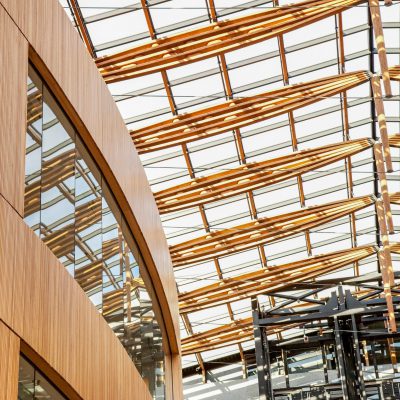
<point x="41" y="364"/>
<point x="67" y="68"/>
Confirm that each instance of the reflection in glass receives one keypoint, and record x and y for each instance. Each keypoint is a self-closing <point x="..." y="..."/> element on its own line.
<point x="88" y="239"/>
<point x="70" y="207"/>
<point x="33" y="151"/>
<point x="57" y="218"/>
<point x="33" y="385"/>
<point x="113" y="254"/>
<point x="151" y="343"/>
<point x="133" y="283"/>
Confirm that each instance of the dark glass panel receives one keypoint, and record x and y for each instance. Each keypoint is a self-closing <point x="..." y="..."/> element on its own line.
<point x="32" y="385"/>
<point x="26" y="380"/>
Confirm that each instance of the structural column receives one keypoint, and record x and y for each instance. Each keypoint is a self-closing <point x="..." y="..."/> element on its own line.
<point x="262" y="359"/>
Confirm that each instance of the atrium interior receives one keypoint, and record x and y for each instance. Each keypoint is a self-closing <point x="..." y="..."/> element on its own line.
<point x="220" y="181"/>
<point x="269" y="134"/>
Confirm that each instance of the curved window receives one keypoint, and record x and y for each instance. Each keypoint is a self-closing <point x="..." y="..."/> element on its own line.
<point x="69" y="206"/>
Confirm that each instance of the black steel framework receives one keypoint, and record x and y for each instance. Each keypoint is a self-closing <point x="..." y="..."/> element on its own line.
<point x="342" y="329"/>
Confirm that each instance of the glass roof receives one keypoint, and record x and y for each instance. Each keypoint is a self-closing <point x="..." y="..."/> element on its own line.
<point x="310" y="53"/>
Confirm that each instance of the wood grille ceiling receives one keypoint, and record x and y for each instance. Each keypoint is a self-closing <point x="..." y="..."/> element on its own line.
<point x="218" y="39"/>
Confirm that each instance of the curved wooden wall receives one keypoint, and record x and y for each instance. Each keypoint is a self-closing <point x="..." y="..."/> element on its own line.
<point x="63" y="61"/>
<point x="44" y="306"/>
<point x="42" y="29"/>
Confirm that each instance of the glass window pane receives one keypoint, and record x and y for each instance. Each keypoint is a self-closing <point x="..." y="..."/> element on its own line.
<point x="33" y="154"/>
<point x="71" y="208"/>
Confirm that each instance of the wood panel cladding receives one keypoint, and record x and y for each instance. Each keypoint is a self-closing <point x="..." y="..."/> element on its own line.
<point x="14" y="69"/>
<point x="62" y="60"/>
<point x="9" y="362"/>
<point x="47" y="309"/>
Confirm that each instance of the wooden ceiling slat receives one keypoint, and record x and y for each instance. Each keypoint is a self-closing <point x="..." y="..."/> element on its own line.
<point x="375" y="12"/>
<point x="263" y="230"/>
<point x="268" y="280"/>
<point x="380" y="114"/>
<point x="241" y="112"/>
<point x="216" y="39"/>
<point x="395" y="198"/>
<point x="235" y="332"/>
<point x="394" y="140"/>
<point x="394" y="73"/>
<point x="253" y="176"/>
